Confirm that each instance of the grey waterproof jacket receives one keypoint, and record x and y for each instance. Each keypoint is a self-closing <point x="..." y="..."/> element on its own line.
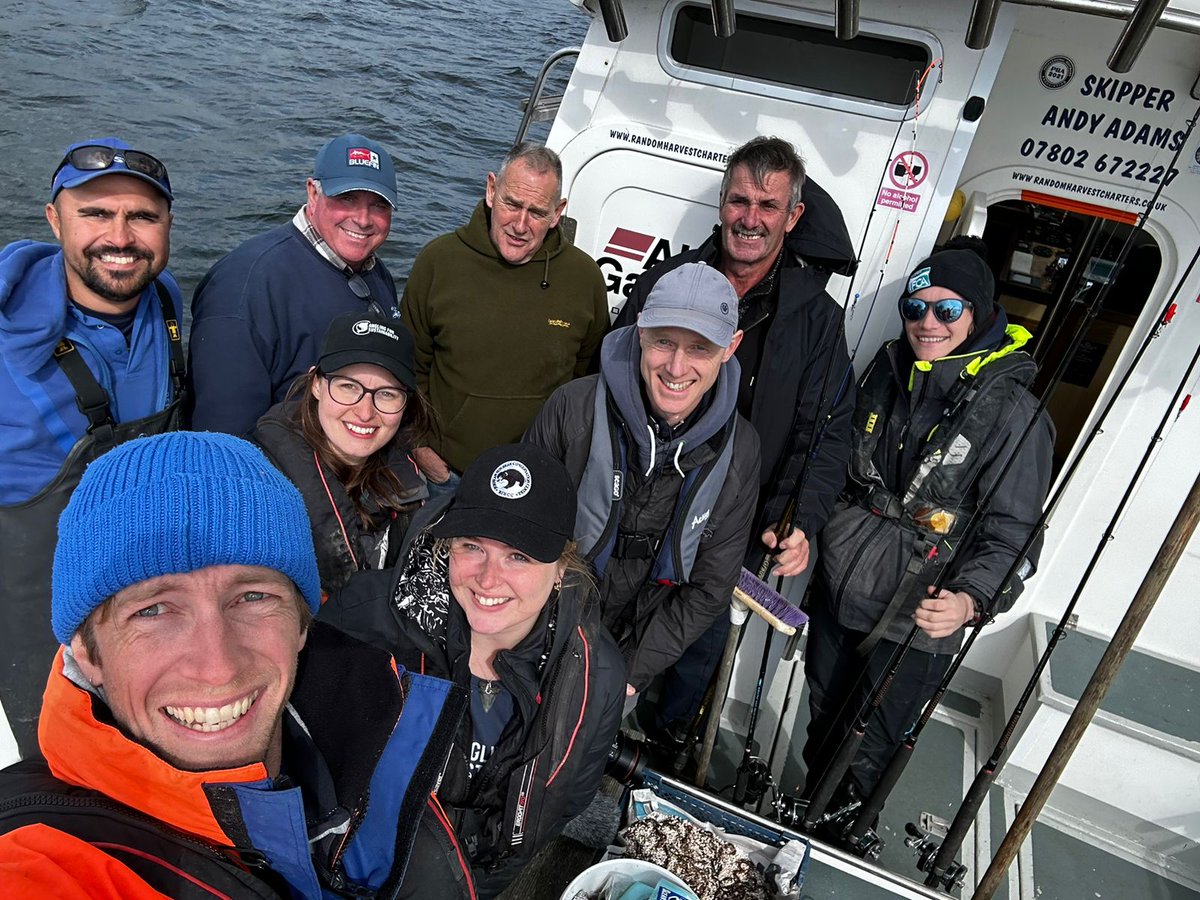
<point x="655" y="623"/>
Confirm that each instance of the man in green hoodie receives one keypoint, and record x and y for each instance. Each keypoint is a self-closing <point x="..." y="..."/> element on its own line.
<point x="504" y="310"/>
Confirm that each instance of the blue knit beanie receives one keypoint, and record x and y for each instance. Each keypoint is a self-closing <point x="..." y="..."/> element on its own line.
<point x="176" y="503"/>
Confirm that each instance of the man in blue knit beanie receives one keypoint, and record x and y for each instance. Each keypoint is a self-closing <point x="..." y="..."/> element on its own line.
<point x="258" y="752"/>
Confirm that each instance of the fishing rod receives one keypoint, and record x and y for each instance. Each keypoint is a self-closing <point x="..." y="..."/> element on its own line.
<point x="849" y="304"/>
<point x="753" y="776"/>
<point x="939" y="862"/>
<point x="943" y="871"/>
<point x="853" y="738"/>
<point x="754" y="585"/>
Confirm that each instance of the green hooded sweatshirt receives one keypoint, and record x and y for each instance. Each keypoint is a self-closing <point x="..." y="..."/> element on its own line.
<point x="494" y="340"/>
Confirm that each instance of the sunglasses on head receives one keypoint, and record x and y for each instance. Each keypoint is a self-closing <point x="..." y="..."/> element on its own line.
<point x="95" y="157"/>
<point x="945" y="311"/>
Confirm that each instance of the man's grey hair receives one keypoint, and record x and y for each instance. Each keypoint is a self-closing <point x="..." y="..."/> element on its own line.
<point x="763" y="156"/>
<point x="540" y="159"/>
<point x="316" y="182"/>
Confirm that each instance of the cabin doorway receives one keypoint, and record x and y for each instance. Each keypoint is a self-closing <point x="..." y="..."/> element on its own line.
<point x="1050" y="261"/>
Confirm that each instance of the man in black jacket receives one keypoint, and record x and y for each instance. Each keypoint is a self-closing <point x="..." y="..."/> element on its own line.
<point x="666" y="468"/>
<point x="796" y="383"/>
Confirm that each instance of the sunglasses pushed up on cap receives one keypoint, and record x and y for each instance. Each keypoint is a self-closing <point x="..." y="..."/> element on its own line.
<point x="945" y="311"/>
<point x="96" y="157"/>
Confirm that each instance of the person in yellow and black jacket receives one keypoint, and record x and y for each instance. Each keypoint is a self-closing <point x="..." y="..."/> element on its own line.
<point x="941" y="416"/>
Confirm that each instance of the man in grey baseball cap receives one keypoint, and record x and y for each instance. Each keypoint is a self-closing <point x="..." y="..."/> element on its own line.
<point x="666" y="470"/>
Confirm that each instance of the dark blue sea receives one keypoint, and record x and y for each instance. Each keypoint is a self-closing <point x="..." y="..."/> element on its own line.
<point x="236" y="98"/>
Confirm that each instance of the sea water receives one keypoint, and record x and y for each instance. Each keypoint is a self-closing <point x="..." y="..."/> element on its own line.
<point x="236" y="97"/>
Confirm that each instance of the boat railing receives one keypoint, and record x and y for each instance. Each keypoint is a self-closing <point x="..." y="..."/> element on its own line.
<point x="538" y="108"/>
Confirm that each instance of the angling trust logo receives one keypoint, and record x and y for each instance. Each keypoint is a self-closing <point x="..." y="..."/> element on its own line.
<point x="919" y="280"/>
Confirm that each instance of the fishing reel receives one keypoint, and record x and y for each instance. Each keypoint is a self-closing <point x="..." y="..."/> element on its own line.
<point x="833" y="827"/>
<point x="867" y="846"/>
<point x="925" y="846"/>
<point x="788" y="809"/>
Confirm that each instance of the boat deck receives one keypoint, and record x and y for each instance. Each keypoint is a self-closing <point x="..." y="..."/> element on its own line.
<point x="1065" y="858"/>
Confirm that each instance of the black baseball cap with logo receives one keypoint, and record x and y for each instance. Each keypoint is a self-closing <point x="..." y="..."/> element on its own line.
<point x="517" y="494"/>
<point x="362" y="338"/>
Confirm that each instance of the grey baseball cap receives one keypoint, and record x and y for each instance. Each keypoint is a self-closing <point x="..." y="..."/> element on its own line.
<point x="696" y="297"/>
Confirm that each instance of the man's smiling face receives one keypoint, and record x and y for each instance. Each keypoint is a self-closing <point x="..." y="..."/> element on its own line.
<point x="678" y="367"/>
<point x="354" y="224"/>
<point x="199" y="666"/>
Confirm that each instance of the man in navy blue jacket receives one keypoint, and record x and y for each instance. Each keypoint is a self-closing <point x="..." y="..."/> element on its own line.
<point x="90" y="355"/>
<point x="259" y="314"/>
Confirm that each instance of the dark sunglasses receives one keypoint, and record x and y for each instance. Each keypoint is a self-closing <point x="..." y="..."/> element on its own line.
<point x="363" y="292"/>
<point x="95" y="157"/>
<point x="945" y="311"/>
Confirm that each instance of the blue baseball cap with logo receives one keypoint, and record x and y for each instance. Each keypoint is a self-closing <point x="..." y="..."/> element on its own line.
<point x="88" y="160"/>
<point x="356" y="163"/>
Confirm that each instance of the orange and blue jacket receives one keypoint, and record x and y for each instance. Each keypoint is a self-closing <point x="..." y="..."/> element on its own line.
<point x="384" y="751"/>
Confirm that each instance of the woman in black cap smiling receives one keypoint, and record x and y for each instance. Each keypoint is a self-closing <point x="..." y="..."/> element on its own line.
<point x="940" y="414"/>
<point x="492" y="596"/>
<point x="343" y="435"/>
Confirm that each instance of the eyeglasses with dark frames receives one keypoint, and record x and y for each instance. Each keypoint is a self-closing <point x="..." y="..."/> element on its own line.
<point x="347" y="391"/>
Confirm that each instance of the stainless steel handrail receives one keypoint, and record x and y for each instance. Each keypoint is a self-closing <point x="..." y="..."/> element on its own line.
<point x="540" y="82"/>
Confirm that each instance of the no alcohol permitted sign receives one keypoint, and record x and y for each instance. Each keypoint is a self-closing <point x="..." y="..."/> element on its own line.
<point x="907" y="172"/>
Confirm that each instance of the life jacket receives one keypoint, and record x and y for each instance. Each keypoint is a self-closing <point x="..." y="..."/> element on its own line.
<point x="170" y="861"/>
<point x="929" y="505"/>
<point x="597" y="519"/>
<point x="929" y="500"/>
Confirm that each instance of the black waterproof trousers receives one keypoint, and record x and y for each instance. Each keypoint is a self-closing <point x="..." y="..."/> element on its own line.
<point x="841" y="681"/>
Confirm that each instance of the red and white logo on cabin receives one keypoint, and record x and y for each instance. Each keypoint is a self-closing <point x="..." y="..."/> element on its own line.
<point x="630" y="244"/>
<point x="361" y="156"/>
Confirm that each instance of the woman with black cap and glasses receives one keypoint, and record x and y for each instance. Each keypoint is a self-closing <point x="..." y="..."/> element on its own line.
<point x="940" y="415"/>
<point x="492" y="595"/>
<point x="343" y="434"/>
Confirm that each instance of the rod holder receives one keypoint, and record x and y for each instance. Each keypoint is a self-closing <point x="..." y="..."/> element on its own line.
<point x="724" y="18"/>
<point x="614" y="20"/>
<point x="982" y="24"/>
<point x="1134" y="35"/>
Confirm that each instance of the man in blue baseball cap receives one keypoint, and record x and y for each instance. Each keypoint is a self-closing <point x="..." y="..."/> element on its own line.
<point x="259" y="314"/>
<point x="92" y="356"/>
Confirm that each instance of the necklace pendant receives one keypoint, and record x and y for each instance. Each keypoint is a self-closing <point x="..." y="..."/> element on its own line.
<point x="488" y="691"/>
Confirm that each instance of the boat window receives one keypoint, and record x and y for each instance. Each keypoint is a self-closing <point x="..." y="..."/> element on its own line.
<point x="802" y="55"/>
